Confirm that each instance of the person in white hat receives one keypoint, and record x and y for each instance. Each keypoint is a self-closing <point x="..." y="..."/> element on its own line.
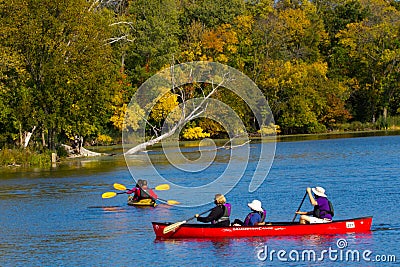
<point x="323" y="209"/>
<point x="255" y="217"/>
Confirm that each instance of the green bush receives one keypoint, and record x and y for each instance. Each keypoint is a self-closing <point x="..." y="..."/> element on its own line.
<point x="61" y="152"/>
<point x="24" y="157"/>
<point x="316" y="128"/>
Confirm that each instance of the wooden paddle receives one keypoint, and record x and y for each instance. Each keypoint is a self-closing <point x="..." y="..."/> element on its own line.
<point x="294" y="218"/>
<point x="176" y="225"/>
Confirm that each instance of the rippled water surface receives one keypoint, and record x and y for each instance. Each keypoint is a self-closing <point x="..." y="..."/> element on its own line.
<point x="57" y="217"/>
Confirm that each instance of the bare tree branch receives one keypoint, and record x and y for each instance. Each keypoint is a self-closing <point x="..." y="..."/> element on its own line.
<point x="117" y="39"/>
<point x="197" y="110"/>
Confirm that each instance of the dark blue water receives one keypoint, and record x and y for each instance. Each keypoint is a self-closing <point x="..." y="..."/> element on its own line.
<point x="58" y="218"/>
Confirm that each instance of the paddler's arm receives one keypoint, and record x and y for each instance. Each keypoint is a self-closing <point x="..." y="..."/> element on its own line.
<point x="311" y="197"/>
<point x="152" y="194"/>
<point x="214" y="215"/>
<point x="304" y="212"/>
<point x="131" y="191"/>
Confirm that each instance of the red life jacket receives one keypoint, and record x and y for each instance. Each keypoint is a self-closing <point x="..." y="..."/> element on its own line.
<point x="142" y="194"/>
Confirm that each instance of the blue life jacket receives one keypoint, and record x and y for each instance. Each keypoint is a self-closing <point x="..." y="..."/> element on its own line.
<point x="251" y="214"/>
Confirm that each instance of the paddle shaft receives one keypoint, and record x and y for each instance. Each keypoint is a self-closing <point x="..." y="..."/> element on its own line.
<point x="176" y="225"/>
<point x="170" y="202"/>
<point x="301" y="204"/>
<point x="191" y="218"/>
<point x="161" y="187"/>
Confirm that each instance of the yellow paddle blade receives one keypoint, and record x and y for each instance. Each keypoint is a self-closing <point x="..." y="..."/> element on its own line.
<point x="108" y="194"/>
<point x="173" y="202"/>
<point x="162" y="187"/>
<point x="172" y="227"/>
<point x="119" y="186"/>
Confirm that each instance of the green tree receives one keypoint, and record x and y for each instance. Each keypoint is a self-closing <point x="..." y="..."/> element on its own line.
<point x="12" y="78"/>
<point x="68" y="63"/>
<point x="302" y="98"/>
<point x="373" y="49"/>
<point x="155" y="29"/>
<point x="210" y="13"/>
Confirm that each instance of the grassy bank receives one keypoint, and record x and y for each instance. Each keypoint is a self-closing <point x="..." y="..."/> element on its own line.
<point x="24" y="158"/>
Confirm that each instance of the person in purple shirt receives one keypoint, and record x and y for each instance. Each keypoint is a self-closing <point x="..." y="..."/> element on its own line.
<point x="322" y="212"/>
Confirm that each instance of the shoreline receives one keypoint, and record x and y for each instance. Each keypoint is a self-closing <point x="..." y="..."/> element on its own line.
<point x="278" y="138"/>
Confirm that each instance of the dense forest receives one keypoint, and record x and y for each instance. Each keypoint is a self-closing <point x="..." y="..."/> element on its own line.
<point x="70" y="68"/>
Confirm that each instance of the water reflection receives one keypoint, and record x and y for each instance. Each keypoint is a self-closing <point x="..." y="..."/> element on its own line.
<point x="57" y="217"/>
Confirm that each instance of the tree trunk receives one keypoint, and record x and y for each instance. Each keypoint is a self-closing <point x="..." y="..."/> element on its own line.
<point x="151" y="142"/>
<point x="51" y="139"/>
<point x="83" y="152"/>
<point x="27" y="137"/>
<point x="43" y="139"/>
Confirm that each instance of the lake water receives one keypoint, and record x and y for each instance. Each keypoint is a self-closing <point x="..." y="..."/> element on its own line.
<point x="57" y="217"/>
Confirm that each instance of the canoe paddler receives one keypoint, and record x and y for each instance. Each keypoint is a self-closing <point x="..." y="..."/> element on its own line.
<point x="323" y="209"/>
<point x="255" y="217"/>
<point x="219" y="215"/>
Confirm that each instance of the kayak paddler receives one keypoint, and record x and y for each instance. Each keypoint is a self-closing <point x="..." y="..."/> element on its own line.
<point x="141" y="191"/>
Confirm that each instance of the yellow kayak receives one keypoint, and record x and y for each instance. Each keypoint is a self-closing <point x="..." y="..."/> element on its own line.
<point x="148" y="202"/>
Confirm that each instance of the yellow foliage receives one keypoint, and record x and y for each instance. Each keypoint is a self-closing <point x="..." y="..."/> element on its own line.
<point x="389" y="55"/>
<point x="222" y="58"/>
<point x="270" y="129"/>
<point x="164" y="106"/>
<point x="104" y="139"/>
<point x="219" y="42"/>
<point x="212" y="40"/>
<point x="133" y="116"/>
<point x="119" y="102"/>
<point x="245" y="23"/>
<point x="296" y="22"/>
<point x="118" y="116"/>
<point x="194" y="133"/>
<point x="68" y="132"/>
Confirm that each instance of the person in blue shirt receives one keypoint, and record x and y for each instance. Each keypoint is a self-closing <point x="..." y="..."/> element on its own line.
<point x="255" y="217"/>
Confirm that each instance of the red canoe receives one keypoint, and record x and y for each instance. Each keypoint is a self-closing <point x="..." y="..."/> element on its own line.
<point x="356" y="225"/>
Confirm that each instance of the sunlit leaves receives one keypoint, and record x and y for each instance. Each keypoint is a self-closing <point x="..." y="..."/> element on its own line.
<point x="164" y="106"/>
<point x="193" y="133"/>
<point x="301" y="96"/>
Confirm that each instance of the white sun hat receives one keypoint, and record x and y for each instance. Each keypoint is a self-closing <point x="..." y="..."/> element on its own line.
<point x="255" y="205"/>
<point x="319" y="191"/>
